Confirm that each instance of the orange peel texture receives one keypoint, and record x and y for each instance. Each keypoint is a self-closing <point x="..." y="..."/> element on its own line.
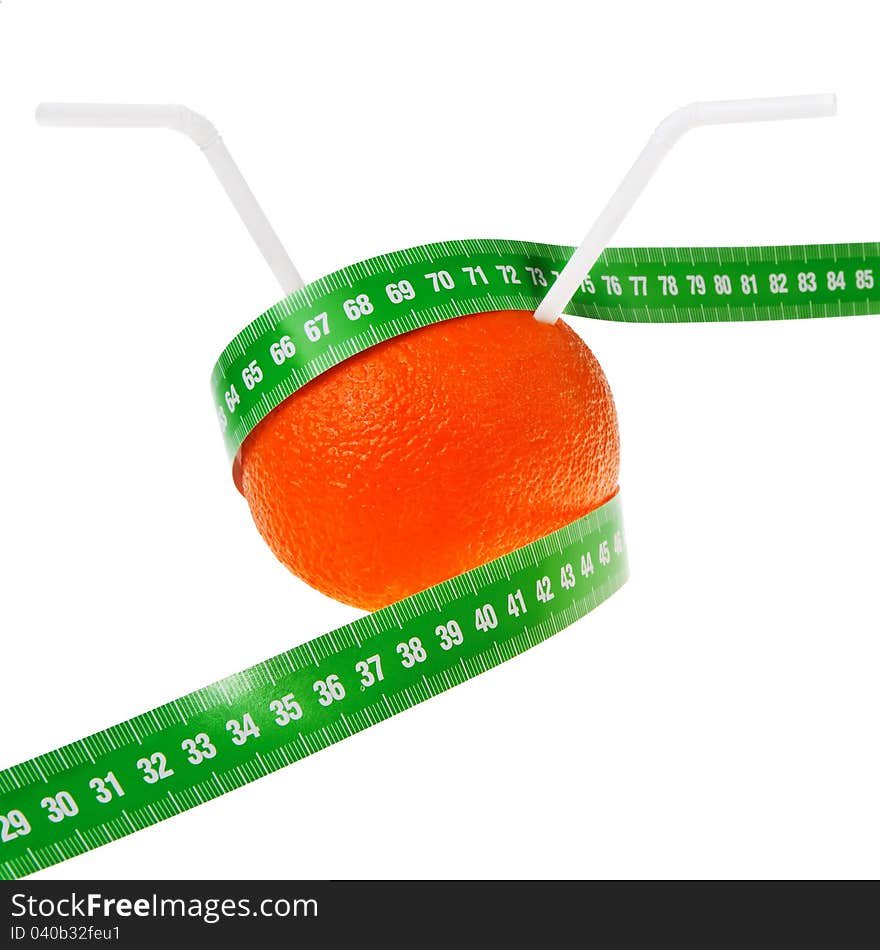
<point x="432" y="453"/>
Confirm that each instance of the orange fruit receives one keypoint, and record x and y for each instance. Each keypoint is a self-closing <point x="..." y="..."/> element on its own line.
<point x="432" y="453"/>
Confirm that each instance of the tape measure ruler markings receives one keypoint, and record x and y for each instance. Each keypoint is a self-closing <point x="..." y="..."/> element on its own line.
<point x="209" y="742"/>
<point x="356" y="307"/>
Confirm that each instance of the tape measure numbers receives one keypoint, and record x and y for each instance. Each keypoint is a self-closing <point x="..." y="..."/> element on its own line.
<point x="209" y="742"/>
<point x="202" y="745"/>
<point x="358" y="306"/>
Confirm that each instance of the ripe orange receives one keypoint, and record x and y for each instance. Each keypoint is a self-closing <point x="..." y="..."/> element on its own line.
<point x="432" y="453"/>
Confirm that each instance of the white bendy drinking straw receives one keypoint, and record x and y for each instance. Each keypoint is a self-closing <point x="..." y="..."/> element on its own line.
<point x="202" y="132"/>
<point x="670" y="130"/>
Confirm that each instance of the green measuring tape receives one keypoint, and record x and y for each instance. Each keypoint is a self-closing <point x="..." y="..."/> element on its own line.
<point x="209" y="742"/>
<point x="354" y="308"/>
<point x="219" y="738"/>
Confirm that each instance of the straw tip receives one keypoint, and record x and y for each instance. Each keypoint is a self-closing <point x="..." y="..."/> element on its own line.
<point x="41" y="113"/>
<point x="546" y="314"/>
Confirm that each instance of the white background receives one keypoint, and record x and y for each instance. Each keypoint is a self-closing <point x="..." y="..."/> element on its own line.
<point x="719" y="716"/>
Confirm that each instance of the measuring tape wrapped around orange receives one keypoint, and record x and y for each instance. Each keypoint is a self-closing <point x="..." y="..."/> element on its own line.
<point x="467" y="456"/>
